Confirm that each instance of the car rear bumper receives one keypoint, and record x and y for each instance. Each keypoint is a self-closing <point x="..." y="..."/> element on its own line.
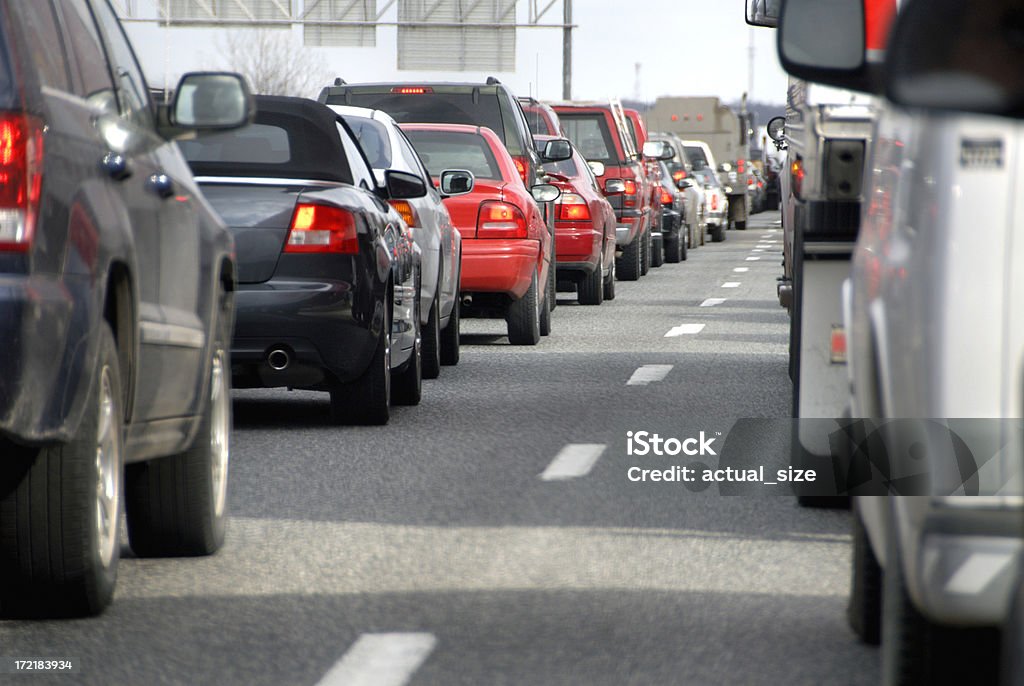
<point x="47" y="355"/>
<point x="321" y="326"/>
<point x="577" y="244"/>
<point x="498" y="266"/>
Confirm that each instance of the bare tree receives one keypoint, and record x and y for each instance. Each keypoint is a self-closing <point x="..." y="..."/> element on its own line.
<point x="274" y="63"/>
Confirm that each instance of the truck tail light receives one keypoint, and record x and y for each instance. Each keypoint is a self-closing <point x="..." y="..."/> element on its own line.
<point x="838" y="345"/>
<point x="498" y="219"/>
<point x="666" y="197"/>
<point x="411" y="90"/>
<point x="406" y="210"/>
<point x="740" y="166"/>
<point x="797" y="174"/>
<point x="572" y="208"/>
<point x="322" y="229"/>
<point x="520" y="167"/>
<point x="630" y="193"/>
<point x="714" y="201"/>
<point x="21" y="179"/>
<point x="679" y="175"/>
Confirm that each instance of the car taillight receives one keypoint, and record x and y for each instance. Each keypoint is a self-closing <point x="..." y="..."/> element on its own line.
<point x="572" y="208"/>
<point x="498" y="219"/>
<point x="21" y="179"/>
<point x="405" y="209"/>
<point x="411" y="90"/>
<point x="630" y="193"/>
<point x="797" y="174"/>
<point x="678" y="175"/>
<point x="740" y="166"/>
<point x="520" y="167"/>
<point x="666" y="197"/>
<point x="630" y="187"/>
<point x="714" y="201"/>
<point x="750" y="182"/>
<point x="322" y="229"/>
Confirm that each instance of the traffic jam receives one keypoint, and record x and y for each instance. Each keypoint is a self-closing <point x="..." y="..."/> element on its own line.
<point x="428" y="381"/>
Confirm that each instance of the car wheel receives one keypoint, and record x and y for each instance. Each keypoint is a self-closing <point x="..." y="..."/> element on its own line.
<point x="176" y="505"/>
<point x="432" y="340"/>
<point x="864" y="609"/>
<point x="367" y="400"/>
<point x="657" y="250"/>
<point x="450" y="335"/>
<point x="675" y="249"/>
<point x="628" y="266"/>
<point x="60" y="509"/>
<point x="645" y="253"/>
<point x="523" y="317"/>
<point x="741" y="225"/>
<point x="545" y="309"/>
<point x="407" y="385"/>
<point x="609" y="283"/>
<point x="717" y="234"/>
<point x="591" y="288"/>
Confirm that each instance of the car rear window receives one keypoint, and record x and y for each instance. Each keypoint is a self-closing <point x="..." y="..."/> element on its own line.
<point x="564" y="167"/>
<point x="537" y="121"/>
<point x="254" y="144"/>
<point x="373" y="138"/>
<point x="442" y="150"/>
<point x="697" y="157"/>
<point x="590" y="134"/>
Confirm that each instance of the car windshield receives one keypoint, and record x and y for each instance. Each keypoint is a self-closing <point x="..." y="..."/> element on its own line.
<point x="442" y="150"/>
<point x="697" y="158"/>
<point x="373" y="137"/>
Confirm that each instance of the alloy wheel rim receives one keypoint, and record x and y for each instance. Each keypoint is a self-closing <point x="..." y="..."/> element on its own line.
<point x="220" y="433"/>
<point x="108" y="473"/>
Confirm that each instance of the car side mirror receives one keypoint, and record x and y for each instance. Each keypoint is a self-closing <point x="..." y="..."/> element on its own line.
<point x="402" y="185"/>
<point x="597" y="168"/>
<point x="658" y="150"/>
<point x="683" y="184"/>
<point x="212" y="101"/>
<point x="545" y="192"/>
<point x="457" y="182"/>
<point x="763" y="12"/>
<point x="777" y="129"/>
<point x="557" y="150"/>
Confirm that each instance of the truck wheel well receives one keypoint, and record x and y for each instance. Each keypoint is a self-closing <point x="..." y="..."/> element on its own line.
<point x="119" y="313"/>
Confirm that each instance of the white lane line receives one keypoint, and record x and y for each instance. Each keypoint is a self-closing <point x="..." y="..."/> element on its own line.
<point x="741" y="270"/>
<point x="711" y="302"/>
<point x="764" y="246"/>
<point x="731" y="284"/>
<point x="683" y="330"/>
<point x="575" y="459"/>
<point x="753" y="259"/>
<point x="381" y="660"/>
<point x="757" y="250"/>
<point x="977" y="572"/>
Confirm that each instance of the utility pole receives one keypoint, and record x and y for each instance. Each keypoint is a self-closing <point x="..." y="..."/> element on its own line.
<point x="750" y="63"/>
<point x="567" y="51"/>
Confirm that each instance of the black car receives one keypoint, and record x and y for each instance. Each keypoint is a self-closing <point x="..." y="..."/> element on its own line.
<point x="328" y="274"/>
<point x="491" y="104"/>
<point x="673" y="207"/>
<point x="116" y="305"/>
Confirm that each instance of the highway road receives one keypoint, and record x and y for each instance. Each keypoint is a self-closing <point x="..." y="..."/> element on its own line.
<point x="492" y="536"/>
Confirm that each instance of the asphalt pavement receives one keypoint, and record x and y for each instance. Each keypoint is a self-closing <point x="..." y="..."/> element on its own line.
<point x="491" y="535"/>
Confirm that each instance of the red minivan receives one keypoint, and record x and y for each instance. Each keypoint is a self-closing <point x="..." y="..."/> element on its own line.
<point x="506" y="246"/>
<point x="594" y="131"/>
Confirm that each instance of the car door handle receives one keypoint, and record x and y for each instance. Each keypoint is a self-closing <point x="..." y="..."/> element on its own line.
<point x="161" y="184"/>
<point x="116" y="166"/>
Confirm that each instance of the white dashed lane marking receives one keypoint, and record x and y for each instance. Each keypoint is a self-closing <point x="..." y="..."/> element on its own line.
<point x="683" y="330"/>
<point x="711" y="302"/>
<point x="753" y="259"/>
<point x="731" y="284"/>
<point x="574" y="460"/>
<point x="741" y="270"/>
<point x="381" y="660"/>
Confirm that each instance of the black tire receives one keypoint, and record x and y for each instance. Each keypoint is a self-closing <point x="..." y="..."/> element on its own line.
<point x="609" y="283"/>
<point x="645" y="254"/>
<point x="407" y="385"/>
<point x="432" y="339"/>
<point x="864" y="609"/>
<point x="657" y="250"/>
<point x="675" y="249"/>
<point x="717" y="234"/>
<point x="367" y="400"/>
<point x="917" y="651"/>
<point x="591" y="288"/>
<point x="741" y="225"/>
<point x="58" y="554"/>
<point x="450" y="335"/>
<point x="523" y="317"/>
<point x="545" y="308"/>
<point x="627" y="267"/>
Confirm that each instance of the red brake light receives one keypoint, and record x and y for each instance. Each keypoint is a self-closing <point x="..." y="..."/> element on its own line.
<point x="520" y="167"/>
<point x="405" y="209"/>
<point x="797" y="174"/>
<point x="714" y="201"/>
<point x="740" y="166"/>
<point x="630" y="187"/>
<point x="679" y="175"/>
<point x="21" y="179"/>
<point x="750" y="182"/>
<point x="572" y="208"/>
<point x="322" y="229"/>
<point x="411" y="90"/>
<point x="666" y="197"/>
<point x="498" y="219"/>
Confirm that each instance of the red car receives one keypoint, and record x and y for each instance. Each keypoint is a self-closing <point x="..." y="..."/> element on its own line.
<point x="652" y="188"/>
<point x="506" y="246"/>
<point x="584" y="228"/>
<point x="542" y="119"/>
<point x="599" y="132"/>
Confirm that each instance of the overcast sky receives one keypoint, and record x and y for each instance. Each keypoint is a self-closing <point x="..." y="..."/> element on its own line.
<point x="683" y="47"/>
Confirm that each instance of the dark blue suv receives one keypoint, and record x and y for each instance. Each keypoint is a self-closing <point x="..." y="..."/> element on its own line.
<point x="116" y="282"/>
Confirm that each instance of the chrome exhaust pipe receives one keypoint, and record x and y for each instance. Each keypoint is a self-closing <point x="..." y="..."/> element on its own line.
<point x="467" y="300"/>
<point x="278" y="359"/>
